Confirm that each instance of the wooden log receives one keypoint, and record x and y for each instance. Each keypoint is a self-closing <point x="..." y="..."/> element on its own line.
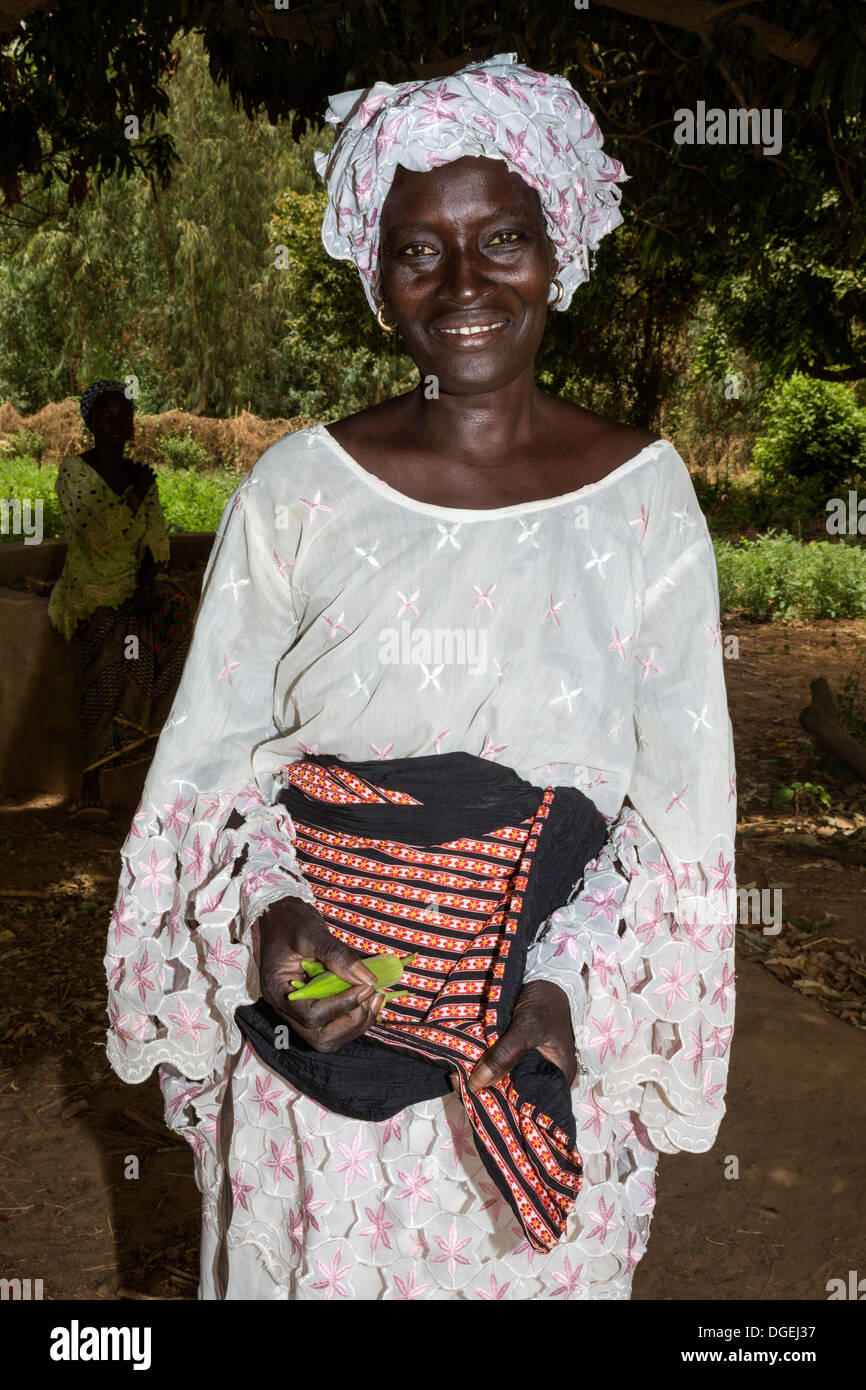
<point x="821" y="720"/>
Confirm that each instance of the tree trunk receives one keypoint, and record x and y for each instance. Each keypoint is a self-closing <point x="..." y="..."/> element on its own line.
<point x="164" y="242"/>
<point x="821" y="720"/>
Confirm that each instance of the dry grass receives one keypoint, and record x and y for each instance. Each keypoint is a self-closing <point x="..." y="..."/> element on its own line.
<point x="235" y="443"/>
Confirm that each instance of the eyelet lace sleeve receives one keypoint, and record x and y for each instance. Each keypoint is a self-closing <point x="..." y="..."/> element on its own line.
<point x="206" y="853"/>
<point x="645" y="947"/>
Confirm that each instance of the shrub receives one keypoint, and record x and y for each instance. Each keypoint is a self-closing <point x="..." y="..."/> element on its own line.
<point x="194" y="501"/>
<point x="27" y="444"/>
<point x="813" y="429"/>
<point x="24" y="479"/>
<point x="737" y="506"/>
<point x="779" y="577"/>
<point x="61" y="426"/>
<point x="182" y="451"/>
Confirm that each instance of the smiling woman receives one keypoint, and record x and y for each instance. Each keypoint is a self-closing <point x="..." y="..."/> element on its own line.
<point x="544" y="835"/>
<point x="466" y="269"/>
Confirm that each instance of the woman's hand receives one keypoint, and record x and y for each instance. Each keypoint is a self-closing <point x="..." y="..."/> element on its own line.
<point x="291" y="931"/>
<point x="541" y="1019"/>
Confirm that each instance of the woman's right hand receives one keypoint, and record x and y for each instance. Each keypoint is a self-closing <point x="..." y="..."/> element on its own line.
<point x="291" y="931"/>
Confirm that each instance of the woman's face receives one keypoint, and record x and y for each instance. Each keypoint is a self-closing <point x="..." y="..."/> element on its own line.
<point x="111" y="419"/>
<point x="465" y="246"/>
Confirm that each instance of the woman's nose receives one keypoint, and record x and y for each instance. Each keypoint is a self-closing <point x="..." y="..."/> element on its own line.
<point x="464" y="277"/>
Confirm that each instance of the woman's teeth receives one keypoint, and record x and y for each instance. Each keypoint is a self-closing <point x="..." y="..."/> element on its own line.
<point x="468" y="332"/>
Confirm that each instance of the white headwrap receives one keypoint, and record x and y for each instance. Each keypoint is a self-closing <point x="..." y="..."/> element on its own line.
<point x="536" y="123"/>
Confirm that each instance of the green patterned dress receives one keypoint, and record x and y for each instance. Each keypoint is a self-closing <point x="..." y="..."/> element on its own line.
<point x="133" y="637"/>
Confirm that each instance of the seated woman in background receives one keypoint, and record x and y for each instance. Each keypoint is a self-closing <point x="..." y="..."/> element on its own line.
<point x="133" y="623"/>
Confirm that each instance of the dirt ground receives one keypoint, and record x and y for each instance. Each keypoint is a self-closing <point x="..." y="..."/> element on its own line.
<point x="786" y="1223"/>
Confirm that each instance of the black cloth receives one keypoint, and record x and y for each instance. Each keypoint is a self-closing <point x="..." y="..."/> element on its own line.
<point x="463" y="796"/>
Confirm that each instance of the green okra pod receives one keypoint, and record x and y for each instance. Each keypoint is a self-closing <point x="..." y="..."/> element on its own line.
<point x="387" y="969"/>
<point x="310" y="968"/>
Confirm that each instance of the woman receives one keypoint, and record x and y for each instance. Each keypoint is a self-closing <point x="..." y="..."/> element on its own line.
<point x="133" y="625"/>
<point x="474" y="575"/>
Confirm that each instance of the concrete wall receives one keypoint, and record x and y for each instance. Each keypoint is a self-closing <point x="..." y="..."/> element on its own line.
<point x="40" y="680"/>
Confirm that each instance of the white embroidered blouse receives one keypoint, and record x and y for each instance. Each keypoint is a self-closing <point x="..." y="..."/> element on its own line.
<point x="575" y="638"/>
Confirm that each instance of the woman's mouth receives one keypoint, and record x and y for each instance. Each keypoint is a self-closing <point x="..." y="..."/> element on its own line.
<point x="473" y="331"/>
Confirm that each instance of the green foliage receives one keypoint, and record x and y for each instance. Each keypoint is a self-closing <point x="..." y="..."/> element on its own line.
<point x="27" y="444"/>
<point x="69" y="81"/>
<point x="776" y="576"/>
<point x="796" y="303"/>
<point x="733" y="506"/>
<point x="796" y="791"/>
<point x="813" y="429"/>
<point x="21" y="477"/>
<point x="192" y="501"/>
<point x="172" y="286"/>
<point x="620" y="361"/>
<point x="182" y="451"/>
<point x="337" y="349"/>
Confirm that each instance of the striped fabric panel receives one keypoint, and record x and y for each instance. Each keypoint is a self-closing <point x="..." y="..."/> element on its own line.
<point x="455" y="906"/>
<point x="339" y="785"/>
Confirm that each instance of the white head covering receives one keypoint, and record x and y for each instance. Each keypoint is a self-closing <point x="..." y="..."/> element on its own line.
<point x="536" y="123"/>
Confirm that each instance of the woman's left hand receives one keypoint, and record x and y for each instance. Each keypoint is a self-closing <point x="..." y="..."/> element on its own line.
<point x="541" y="1019"/>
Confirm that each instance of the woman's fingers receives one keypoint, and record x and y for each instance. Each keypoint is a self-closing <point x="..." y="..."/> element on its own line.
<point x="341" y="960"/>
<point x="499" y="1059"/>
<point x="541" y="1020"/>
<point x="334" y="1035"/>
<point x="345" y="1030"/>
<point x="318" y="1014"/>
<point x="306" y="931"/>
<point x="292" y="931"/>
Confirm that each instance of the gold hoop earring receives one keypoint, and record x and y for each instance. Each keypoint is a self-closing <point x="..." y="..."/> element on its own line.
<point x="388" y="327"/>
<point x="552" y="303"/>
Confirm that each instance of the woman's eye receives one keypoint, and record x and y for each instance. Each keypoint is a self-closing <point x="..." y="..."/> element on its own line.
<point x="500" y="237"/>
<point x="417" y="249"/>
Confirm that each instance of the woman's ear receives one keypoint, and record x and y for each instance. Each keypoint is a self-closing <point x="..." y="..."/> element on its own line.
<point x="551" y="256"/>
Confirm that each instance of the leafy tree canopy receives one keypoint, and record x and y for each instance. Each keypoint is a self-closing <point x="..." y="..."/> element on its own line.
<point x="771" y="246"/>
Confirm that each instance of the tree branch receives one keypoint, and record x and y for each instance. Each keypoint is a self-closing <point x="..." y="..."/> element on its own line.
<point x="855" y="373"/>
<point x="166" y="248"/>
<point x="695" y="16"/>
<point x="843" y="177"/>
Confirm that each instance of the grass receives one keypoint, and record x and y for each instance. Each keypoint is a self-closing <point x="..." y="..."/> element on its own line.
<point x="192" y="501"/>
<point x="777" y="576"/>
<point x="774" y="576"/>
